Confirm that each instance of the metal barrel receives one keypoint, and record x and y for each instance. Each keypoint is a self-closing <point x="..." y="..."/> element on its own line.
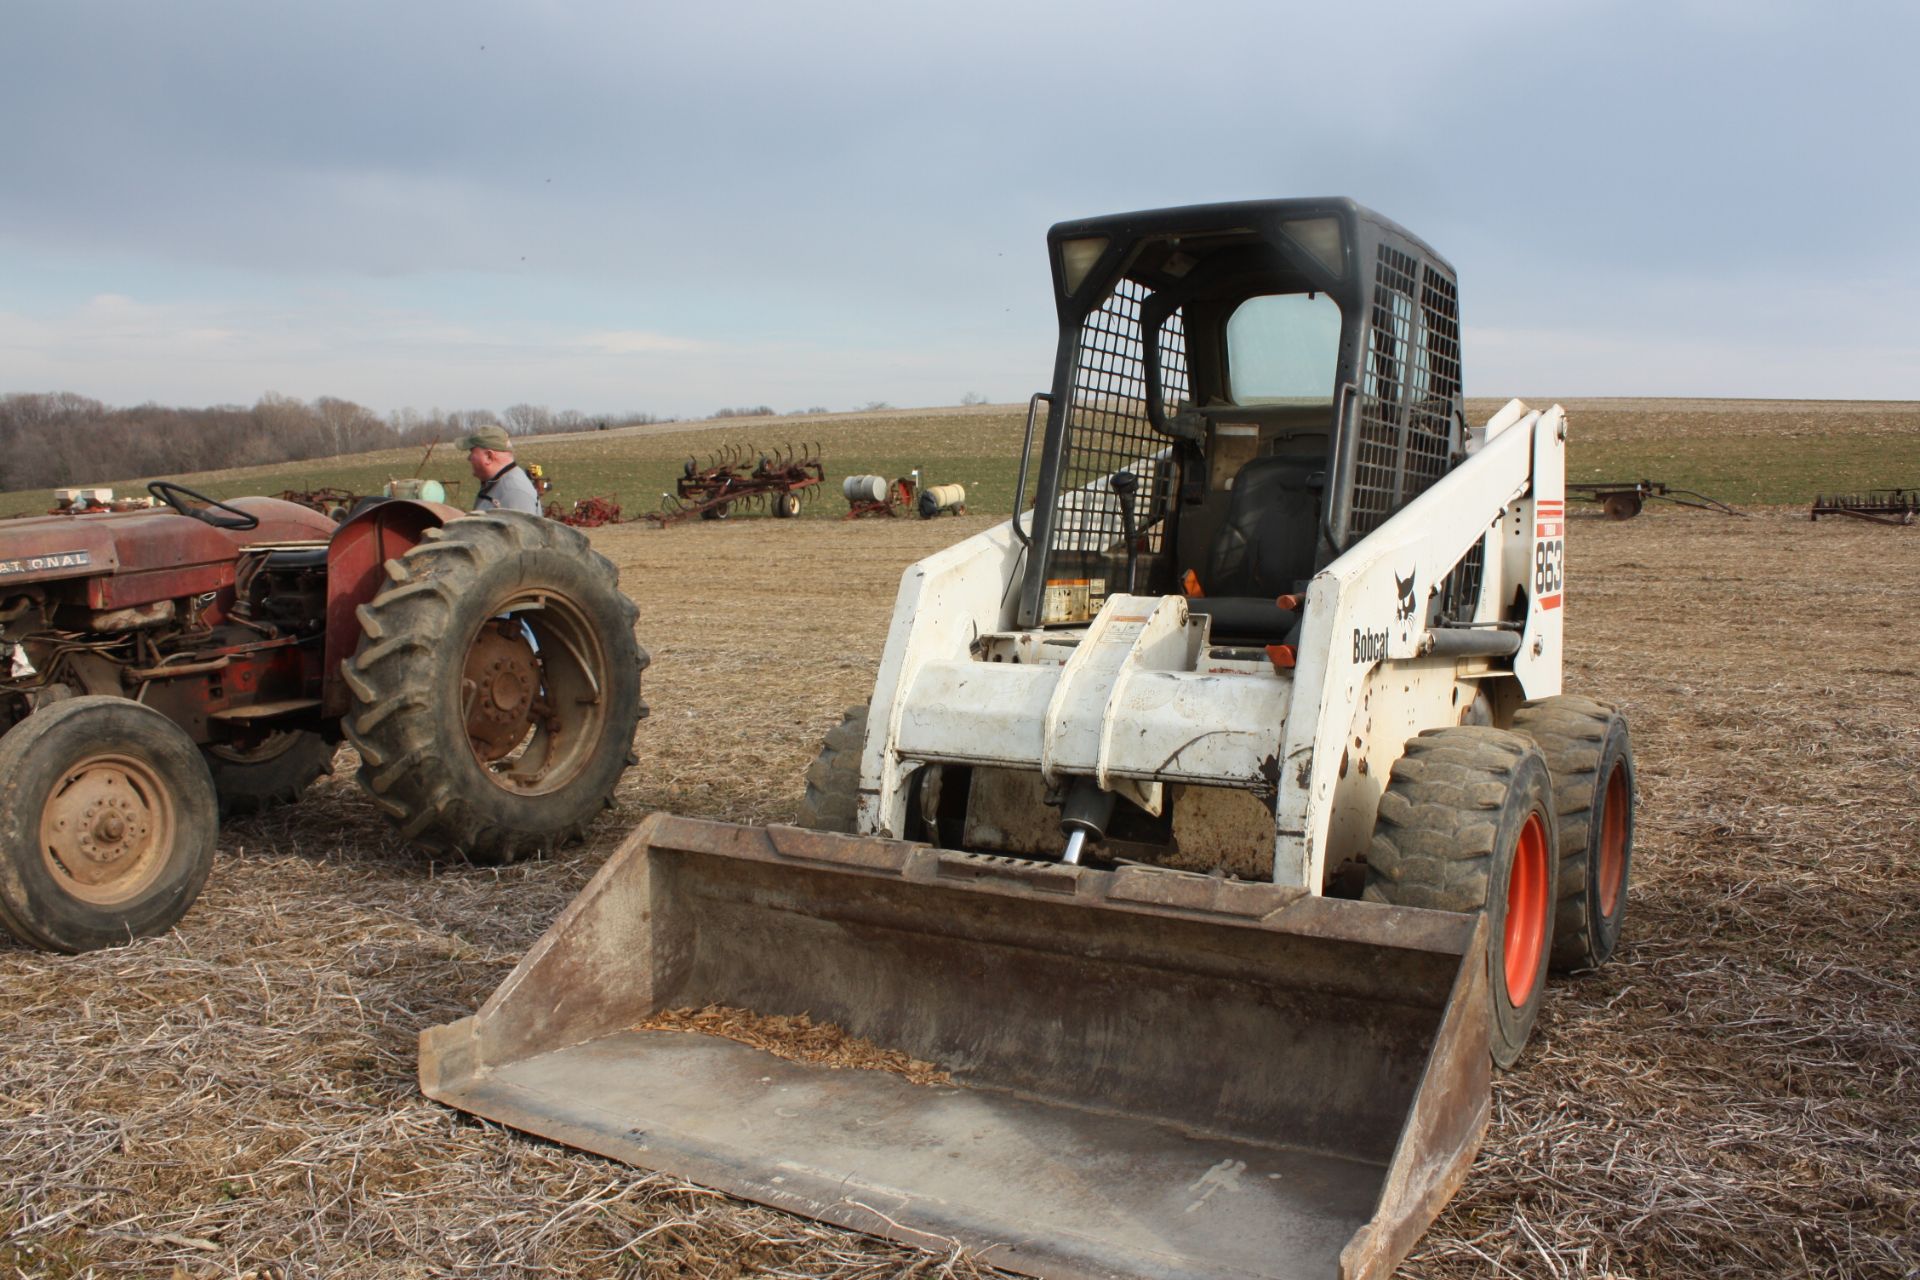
<point x="1154" y="1073"/>
<point x="864" y="488"/>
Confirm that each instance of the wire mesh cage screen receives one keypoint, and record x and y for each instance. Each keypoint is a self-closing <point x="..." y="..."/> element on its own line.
<point x="1408" y="389"/>
<point x="1108" y="430"/>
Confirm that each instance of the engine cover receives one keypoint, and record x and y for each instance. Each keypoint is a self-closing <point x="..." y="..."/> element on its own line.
<point x="138" y="557"/>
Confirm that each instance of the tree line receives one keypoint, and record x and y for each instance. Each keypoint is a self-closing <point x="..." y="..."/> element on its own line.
<point x="59" y="439"/>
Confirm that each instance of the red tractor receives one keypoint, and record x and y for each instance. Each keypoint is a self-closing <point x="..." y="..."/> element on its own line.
<point x="160" y="667"/>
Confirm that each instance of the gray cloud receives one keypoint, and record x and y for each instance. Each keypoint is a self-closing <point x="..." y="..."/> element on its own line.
<point x="876" y="179"/>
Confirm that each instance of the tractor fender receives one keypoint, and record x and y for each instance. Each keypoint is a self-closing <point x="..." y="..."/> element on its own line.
<point x="357" y="556"/>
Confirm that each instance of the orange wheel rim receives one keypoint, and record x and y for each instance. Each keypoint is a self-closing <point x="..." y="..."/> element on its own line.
<point x="1613" y="842"/>
<point x="1524" y="939"/>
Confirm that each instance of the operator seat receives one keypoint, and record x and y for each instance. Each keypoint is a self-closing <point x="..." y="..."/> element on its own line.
<point x="1265" y="548"/>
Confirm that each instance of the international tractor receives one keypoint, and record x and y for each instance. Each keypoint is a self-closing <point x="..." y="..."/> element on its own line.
<point x="163" y="665"/>
<point x="1214" y="823"/>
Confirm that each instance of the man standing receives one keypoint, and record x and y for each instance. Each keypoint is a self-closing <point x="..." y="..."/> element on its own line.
<point x="503" y="485"/>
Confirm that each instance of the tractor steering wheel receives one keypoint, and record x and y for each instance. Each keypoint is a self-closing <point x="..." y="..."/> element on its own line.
<point x="175" y="496"/>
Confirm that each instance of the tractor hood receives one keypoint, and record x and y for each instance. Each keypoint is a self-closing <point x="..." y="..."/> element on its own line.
<point x="160" y="542"/>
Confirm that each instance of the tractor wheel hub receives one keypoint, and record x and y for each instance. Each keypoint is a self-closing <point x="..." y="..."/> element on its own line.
<point x="501" y="679"/>
<point x="104" y="829"/>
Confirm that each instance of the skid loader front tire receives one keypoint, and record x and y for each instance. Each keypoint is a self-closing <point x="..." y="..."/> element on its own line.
<point x="496" y="688"/>
<point x="833" y="780"/>
<point x="107" y="824"/>
<point x="1467" y="824"/>
<point x="1591" y="759"/>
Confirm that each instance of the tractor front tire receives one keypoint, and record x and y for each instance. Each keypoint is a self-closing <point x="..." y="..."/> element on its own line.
<point x="107" y="824"/>
<point x="496" y="688"/>
<point x="833" y="780"/>
<point x="1467" y="824"/>
<point x="1591" y="759"/>
<point x="274" y="772"/>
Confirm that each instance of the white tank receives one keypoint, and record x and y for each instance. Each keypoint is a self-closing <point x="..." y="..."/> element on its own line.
<point x="936" y="498"/>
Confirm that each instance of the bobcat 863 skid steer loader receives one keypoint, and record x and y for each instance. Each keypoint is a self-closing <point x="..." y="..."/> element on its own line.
<point x="1214" y="822"/>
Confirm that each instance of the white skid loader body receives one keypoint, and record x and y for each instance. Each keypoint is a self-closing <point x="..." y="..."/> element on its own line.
<point x="1265" y="552"/>
<point x="1137" y="701"/>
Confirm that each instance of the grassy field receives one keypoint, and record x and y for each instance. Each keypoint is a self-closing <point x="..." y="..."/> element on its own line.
<point x="1746" y="452"/>
<point x="1733" y="1097"/>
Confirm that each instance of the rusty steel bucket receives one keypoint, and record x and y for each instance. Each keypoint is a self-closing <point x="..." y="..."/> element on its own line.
<point x="1155" y="1073"/>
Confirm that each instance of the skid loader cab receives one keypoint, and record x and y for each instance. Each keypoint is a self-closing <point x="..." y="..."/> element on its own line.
<point x="1280" y="377"/>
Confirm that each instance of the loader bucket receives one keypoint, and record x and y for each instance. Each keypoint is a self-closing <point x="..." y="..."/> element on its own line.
<point x="1154" y="1073"/>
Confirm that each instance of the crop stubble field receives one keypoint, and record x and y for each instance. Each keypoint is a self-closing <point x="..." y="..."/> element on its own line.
<point x="1738" y="1095"/>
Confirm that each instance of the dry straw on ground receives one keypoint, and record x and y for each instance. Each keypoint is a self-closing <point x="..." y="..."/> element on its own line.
<point x="797" y="1039"/>
<point x="1738" y="1096"/>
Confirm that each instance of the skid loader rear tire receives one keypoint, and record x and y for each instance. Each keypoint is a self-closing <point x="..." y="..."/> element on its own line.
<point x="274" y="772"/>
<point x="1591" y="759"/>
<point x="107" y="824"/>
<point x="1467" y="824"/>
<point x="833" y="780"/>
<point x="474" y="740"/>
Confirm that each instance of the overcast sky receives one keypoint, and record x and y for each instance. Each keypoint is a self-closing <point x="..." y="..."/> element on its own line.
<point x="677" y="207"/>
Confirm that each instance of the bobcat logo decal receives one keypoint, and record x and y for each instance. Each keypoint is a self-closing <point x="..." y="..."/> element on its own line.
<point x="1406" y="595"/>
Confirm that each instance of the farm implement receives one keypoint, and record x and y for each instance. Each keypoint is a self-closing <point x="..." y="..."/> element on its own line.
<point x="743" y="478"/>
<point x="587" y="513"/>
<point x="334" y="503"/>
<point x="1214" y="824"/>
<point x="1876" y="506"/>
<point x="1624" y="499"/>
<point x="877" y="496"/>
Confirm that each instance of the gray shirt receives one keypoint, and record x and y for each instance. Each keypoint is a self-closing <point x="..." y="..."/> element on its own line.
<point x="509" y="490"/>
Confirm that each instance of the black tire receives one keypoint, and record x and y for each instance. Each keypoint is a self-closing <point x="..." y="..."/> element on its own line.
<point x="716" y="513"/>
<point x="274" y="772"/>
<point x="108" y="825"/>
<point x="1591" y="759"/>
<point x="786" y="505"/>
<point x="498" y="777"/>
<point x="833" y="779"/>
<point x="1467" y="824"/>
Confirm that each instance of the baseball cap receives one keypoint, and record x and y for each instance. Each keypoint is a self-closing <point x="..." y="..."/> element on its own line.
<point x="487" y="437"/>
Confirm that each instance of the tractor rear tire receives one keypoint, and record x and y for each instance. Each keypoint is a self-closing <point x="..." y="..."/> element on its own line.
<point x="496" y="688"/>
<point x="1467" y="824"/>
<point x="1591" y="759"/>
<point x="833" y="780"/>
<point x="107" y="824"/>
<point x="276" y="772"/>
